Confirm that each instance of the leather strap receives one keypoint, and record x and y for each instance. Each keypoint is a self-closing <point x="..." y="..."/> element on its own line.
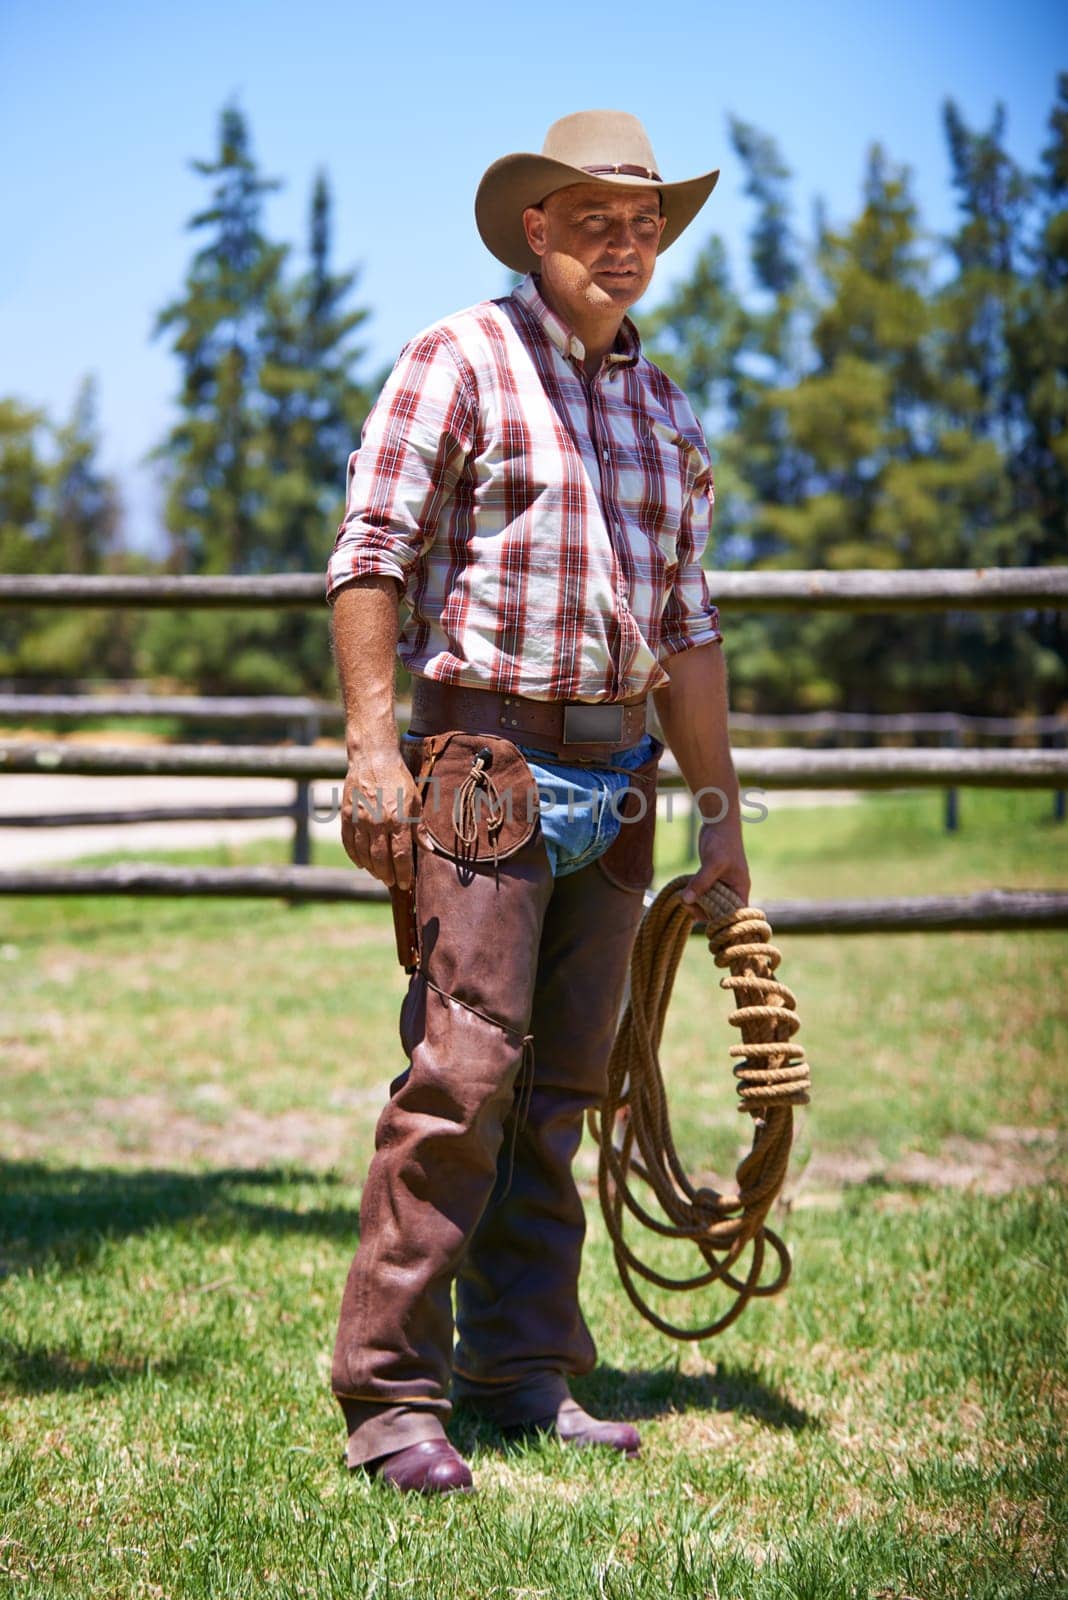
<point x="625" y="169"/>
<point x="439" y="707"/>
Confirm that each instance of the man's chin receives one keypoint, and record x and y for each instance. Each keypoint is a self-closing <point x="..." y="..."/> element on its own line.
<point x="618" y="291"/>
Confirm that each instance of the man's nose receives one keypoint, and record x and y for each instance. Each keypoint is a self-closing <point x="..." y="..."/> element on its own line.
<point x="623" y="235"/>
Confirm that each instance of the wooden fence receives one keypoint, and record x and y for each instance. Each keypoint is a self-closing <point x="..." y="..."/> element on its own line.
<point x="305" y="760"/>
<point x="303" y="719"/>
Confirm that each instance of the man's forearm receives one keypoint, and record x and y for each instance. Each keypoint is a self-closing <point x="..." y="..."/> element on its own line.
<point x="365" y="622"/>
<point x="693" y="714"/>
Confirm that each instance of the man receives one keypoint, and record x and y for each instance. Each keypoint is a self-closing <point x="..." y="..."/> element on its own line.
<point x="539" y="495"/>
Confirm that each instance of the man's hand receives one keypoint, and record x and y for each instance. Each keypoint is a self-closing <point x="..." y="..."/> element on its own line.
<point x="722" y="854"/>
<point x="379" y="806"/>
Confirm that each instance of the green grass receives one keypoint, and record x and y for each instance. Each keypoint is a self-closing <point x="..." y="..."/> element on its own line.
<point x="189" y="1091"/>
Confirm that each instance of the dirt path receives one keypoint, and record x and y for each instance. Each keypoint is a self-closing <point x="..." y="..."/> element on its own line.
<point x="46" y="795"/>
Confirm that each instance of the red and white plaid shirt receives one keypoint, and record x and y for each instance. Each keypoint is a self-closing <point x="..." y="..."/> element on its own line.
<point x="546" y="527"/>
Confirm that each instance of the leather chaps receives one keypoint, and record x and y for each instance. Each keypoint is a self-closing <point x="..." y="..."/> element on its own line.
<point x="507" y="1025"/>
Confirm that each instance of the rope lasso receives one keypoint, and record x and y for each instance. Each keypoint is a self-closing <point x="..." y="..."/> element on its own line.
<point x="772" y="1077"/>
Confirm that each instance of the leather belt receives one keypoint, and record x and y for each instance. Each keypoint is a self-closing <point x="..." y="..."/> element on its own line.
<point x="571" y="730"/>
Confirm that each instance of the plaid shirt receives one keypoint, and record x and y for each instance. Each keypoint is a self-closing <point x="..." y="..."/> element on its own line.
<point x="546" y="527"/>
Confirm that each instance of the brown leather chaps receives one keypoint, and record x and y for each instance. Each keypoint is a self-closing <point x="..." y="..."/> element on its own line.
<point x="507" y="1025"/>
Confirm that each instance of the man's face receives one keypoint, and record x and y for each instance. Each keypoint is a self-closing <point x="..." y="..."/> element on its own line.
<point x="597" y="244"/>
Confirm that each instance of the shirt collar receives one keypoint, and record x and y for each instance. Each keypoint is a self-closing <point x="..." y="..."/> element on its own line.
<point x="627" y="348"/>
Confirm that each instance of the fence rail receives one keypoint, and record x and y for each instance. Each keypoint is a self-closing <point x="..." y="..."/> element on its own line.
<point x="770" y="769"/>
<point x="933" y="589"/>
<point x="992" y="909"/>
<point x="855" y="591"/>
<point x="297" y="708"/>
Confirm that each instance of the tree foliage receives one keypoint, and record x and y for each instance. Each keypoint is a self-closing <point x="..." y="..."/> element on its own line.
<point x="269" y="408"/>
<point x="890" y="399"/>
<point x="59" y="513"/>
<point x="876" y="396"/>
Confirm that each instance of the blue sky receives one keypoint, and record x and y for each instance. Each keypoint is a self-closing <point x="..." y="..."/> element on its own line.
<point x="103" y="107"/>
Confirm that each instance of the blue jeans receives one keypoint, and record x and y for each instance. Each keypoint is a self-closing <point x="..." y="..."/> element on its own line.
<point x="578" y="819"/>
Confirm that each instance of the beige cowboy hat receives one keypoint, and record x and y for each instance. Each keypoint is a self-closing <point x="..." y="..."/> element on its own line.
<point x="609" y="145"/>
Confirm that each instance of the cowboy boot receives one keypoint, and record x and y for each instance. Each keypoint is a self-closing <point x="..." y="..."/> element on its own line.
<point x="521" y="1331"/>
<point x="465" y="1029"/>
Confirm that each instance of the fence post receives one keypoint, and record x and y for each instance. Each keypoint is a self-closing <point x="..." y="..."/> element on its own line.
<point x="952" y="740"/>
<point x="1055" y="741"/>
<point x="305" y="732"/>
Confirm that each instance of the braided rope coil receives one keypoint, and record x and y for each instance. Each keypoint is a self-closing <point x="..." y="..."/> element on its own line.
<point x="772" y="1076"/>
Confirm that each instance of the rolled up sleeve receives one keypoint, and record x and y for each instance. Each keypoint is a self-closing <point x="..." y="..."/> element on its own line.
<point x="689" y="617"/>
<point x="412" y="451"/>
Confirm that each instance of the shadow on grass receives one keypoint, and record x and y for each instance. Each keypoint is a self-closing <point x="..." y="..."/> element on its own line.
<point x="635" y="1394"/>
<point x="63" y="1215"/>
<point x="34" y="1369"/>
<point x="652" y="1394"/>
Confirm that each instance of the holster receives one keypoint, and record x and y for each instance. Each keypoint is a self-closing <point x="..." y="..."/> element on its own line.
<point x="478" y="803"/>
<point x="478" y="797"/>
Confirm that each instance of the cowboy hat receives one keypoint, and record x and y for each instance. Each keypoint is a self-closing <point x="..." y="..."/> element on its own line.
<point x="608" y="145"/>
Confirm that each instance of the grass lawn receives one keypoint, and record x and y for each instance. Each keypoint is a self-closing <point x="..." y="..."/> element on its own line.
<point x="188" y="1097"/>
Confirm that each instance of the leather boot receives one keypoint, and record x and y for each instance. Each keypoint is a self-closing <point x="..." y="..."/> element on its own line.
<point x="573" y="1426"/>
<point x="465" y="1028"/>
<point x="521" y="1330"/>
<point x="430" y="1467"/>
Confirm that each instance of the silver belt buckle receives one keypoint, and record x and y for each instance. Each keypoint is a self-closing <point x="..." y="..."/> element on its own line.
<point x="593" y="724"/>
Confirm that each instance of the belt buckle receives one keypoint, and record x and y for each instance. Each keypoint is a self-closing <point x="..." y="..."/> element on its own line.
<point x="593" y="724"/>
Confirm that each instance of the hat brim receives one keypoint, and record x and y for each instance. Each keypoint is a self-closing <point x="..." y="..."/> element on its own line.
<point x="515" y="182"/>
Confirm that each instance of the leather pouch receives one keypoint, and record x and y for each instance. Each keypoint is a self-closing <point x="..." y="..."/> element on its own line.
<point x="628" y="861"/>
<point x="478" y="795"/>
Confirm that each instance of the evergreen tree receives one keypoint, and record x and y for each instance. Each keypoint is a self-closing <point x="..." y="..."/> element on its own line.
<point x="772" y="349"/>
<point x="59" y="514"/>
<point x="216" y="471"/>
<point x="870" y="418"/>
<point x="771" y="241"/>
<point x="888" y="483"/>
<point x="270" y="410"/>
<point x="696" y="335"/>
<point x="314" y="411"/>
<point x="314" y="405"/>
<point x="979" y="305"/>
<point x="761" y="353"/>
<point x="1038" y="360"/>
<point x="24" y="517"/>
<point x="85" y="509"/>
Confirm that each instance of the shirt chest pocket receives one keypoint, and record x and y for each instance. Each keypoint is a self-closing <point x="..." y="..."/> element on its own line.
<point x="655" y="473"/>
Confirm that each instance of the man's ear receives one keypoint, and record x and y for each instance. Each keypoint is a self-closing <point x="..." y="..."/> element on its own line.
<point x="535" y="226"/>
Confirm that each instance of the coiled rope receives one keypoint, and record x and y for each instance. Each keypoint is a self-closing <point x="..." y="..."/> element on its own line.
<point x="772" y="1077"/>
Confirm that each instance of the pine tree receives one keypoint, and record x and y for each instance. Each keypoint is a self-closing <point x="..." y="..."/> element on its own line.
<point x="314" y="409"/>
<point x="314" y="404"/>
<point x="216" y="472"/>
<point x="270" y="411"/>
<point x="23" y="489"/>
<point x="771" y="350"/>
<point x="59" y="514"/>
<point x="886" y="485"/>
<point x="696" y="334"/>
<point x="85" y="509"/>
<point x="1038" y="360"/>
<point x="978" y="306"/>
